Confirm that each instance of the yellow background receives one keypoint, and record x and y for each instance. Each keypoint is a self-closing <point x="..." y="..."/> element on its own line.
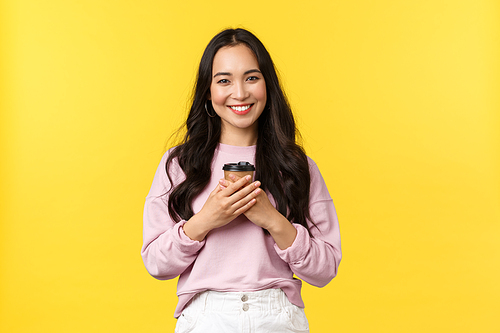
<point x="397" y="101"/>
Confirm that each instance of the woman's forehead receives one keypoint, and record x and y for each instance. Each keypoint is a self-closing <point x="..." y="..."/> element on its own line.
<point x="234" y="59"/>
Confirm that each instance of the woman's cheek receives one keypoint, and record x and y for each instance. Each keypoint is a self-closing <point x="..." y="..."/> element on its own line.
<point x="260" y="93"/>
<point x="218" y="98"/>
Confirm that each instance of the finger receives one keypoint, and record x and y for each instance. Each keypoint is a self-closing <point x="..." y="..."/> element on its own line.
<point x="217" y="189"/>
<point x="245" y="191"/>
<point x="237" y="185"/>
<point x="233" y="177"/>
<point x="224" y="183"/>
<point x="245" y="207"/>
<point x="249" y="188"/>
<point x="246" y="198"/>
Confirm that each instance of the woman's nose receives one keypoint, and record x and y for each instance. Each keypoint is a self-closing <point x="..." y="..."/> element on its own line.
<point x="240" y="92"/>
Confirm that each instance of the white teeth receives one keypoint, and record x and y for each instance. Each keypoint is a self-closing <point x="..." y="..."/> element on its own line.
<point x="240" y="108"/>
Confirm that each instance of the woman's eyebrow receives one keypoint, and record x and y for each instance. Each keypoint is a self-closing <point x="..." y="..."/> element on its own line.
<point x="229" y="74"/>
<point x="252" y="71"/>
<point x="222" y="73"/>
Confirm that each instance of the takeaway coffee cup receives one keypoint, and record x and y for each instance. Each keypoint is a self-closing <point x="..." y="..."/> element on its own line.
<point x="240" y="169"/>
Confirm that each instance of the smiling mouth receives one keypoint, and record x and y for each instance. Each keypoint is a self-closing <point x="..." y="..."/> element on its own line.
<point x="240" y="108"/>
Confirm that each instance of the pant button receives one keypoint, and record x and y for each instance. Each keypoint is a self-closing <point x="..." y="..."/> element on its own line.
<point x="244" y="298"/>
<point x="245" y="307"/>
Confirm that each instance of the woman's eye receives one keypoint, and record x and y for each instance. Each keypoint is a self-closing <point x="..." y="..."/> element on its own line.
<point x="252" y="78"/>
<point x="223" y="81"/>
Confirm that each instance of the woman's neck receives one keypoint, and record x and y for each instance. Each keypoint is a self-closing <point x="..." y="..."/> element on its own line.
<point x="244" y="137"/>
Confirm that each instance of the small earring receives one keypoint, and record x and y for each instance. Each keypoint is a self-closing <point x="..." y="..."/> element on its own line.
<point x="206" y="109"/>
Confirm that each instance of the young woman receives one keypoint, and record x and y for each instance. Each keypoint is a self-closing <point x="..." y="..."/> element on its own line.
<point x="236" y="244"/>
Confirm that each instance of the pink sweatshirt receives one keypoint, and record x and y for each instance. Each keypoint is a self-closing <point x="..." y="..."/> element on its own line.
<point x="238" y="256"/>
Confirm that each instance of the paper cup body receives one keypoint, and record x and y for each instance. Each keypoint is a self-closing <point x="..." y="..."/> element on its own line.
<point x="240" y="174"/>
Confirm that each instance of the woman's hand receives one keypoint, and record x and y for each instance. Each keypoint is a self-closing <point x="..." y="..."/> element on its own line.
<point x="224" y="204"/>
<point x="265" y="215"/>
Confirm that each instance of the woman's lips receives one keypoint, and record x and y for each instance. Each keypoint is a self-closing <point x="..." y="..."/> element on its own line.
<point x="241" y="109"/>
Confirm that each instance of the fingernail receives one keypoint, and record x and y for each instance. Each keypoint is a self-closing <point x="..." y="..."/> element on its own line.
<point x="257" y="184"/>
<point x="247" y="177"/>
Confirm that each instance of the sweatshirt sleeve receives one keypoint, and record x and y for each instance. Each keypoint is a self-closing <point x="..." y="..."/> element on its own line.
<point x="316" y="259"/>
<point x="166" y="250"/>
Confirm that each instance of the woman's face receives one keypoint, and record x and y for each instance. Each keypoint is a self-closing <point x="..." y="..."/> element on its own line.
<point x="238" y="89"/>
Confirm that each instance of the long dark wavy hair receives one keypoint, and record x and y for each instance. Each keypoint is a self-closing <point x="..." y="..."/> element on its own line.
<point x="286" y="174"/>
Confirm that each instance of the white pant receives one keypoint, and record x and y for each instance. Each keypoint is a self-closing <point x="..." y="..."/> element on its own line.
<point x="260" y="311"/>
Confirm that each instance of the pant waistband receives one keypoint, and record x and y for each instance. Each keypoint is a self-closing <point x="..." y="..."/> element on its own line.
<point x="268" y="300"/>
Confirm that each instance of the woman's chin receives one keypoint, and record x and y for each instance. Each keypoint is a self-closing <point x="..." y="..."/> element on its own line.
<point x="240" y="125"/>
